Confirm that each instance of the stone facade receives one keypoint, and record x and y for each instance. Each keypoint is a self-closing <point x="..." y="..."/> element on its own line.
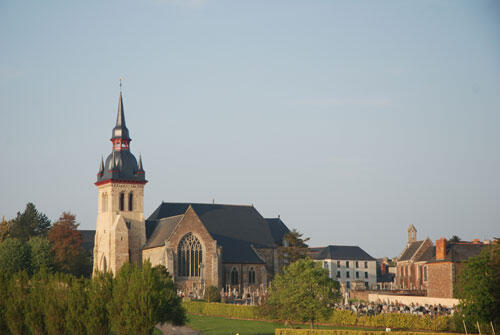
<point x="120" y="232"/>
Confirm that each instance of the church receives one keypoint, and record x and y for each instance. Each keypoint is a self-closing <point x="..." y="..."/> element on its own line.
<point x="232" y="247"/>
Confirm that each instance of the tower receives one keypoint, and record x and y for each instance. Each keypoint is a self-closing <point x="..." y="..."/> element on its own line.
<point x="120" y="231"/>
<point x="412" y="234"/>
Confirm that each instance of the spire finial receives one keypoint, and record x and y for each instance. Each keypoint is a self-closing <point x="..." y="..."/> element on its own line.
<point x="121" y="79"/>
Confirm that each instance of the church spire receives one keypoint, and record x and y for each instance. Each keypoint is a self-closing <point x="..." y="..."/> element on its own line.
<point x="120" y="136"/>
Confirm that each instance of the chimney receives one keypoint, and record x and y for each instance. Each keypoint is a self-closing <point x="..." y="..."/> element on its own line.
<point x="441" y="249"/>
<point x="476" y="241"/>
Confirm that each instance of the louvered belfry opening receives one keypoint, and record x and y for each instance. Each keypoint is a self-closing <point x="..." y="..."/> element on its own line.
<point x="190" y="256"/>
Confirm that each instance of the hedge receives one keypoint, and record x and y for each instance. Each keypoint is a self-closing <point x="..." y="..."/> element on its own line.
<point x="338" y="318"/>
<point x="287" y="331"/>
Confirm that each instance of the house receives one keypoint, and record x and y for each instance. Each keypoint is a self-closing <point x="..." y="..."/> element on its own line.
<point x="350" y="265"/>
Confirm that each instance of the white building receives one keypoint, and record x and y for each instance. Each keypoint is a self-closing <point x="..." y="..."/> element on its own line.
<point x="350" y="265"/>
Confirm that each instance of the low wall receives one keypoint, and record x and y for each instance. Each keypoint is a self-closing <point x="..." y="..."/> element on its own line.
<point x="408" y="299"/>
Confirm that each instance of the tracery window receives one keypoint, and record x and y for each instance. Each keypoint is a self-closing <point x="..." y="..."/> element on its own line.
<point x="234" y="277"/>
<point x="251" y="276"/>
<point x="189" y="256"/>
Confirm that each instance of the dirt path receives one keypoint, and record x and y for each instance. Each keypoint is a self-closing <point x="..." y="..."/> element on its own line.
<point x="169" y="329"/>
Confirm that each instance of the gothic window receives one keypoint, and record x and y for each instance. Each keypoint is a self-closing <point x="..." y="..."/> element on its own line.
<point x="251" y="276"/>
<point x="104" y="204"/>
<point x="234" y="277"/>
<point x="122" y="201"/>
<point x="130" y="202"/>
<point x="189" y="256"/>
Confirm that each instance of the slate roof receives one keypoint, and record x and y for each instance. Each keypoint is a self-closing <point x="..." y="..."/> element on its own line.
<point x="236" y="228"/>
<point x="410" y="250"/>
<point x="278" y="229"/>
<point x="341" y="252"/>
<point x="428" y="255"/>
<point x="162" y="232"/>
<point x="459" y="252"/>
<point x="88" y="239"/>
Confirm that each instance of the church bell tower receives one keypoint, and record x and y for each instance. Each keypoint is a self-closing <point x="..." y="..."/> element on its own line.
<point x="120" y="231"/>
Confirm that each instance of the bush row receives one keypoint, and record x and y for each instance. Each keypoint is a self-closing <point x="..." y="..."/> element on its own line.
<point x="340" y="332"/>
<point x="337" y="318"/>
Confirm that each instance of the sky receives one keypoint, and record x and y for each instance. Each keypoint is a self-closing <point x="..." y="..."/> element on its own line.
<point x="349" y="119"/>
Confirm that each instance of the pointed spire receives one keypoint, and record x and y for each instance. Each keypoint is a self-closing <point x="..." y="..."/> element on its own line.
<point x="101" y="167"/>
<point x="120" y="118"/>
<point x="140" y="162"/>
<point x="120" y="130"/>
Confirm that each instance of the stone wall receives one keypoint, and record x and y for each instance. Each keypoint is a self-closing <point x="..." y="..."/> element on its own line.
<point x="408" y="300"/>
<point x="440" y="277"/>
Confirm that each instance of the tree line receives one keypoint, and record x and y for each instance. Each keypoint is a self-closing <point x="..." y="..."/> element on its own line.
<point x="133" y="302"/>
<point x="29" y="242"/>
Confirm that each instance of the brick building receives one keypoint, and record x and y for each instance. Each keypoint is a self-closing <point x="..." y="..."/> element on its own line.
<point x="444" y="266"/>
<point x="229" y="246"/>
<point x="410" y="264"/>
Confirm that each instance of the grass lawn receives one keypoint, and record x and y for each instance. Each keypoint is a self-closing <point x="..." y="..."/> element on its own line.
<point x="212" y="325"/>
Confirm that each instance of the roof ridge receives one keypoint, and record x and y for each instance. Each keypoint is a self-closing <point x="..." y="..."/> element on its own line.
<point x="203" y="203"/>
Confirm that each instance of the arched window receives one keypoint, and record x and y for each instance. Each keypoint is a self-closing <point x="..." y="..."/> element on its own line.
<point x="251" y="276"/>
<point x="234" y="277"/>
<point x="122" y="201"/>
<point x="104" y="204"/>
<point x="189" y="256"/>
<point x="130" y="202"/>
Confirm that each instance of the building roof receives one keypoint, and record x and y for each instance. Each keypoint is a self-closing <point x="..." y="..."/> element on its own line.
<point x="410" y="250"/>
<point x="341" y="252"/>
<point x="237" y="229"/>
<point x="121" y="164"/>
<point x="278" y="229"/>
<point x="162" y="231"/>
<point x="459" y="252"/>
<point x="427" y="255"/>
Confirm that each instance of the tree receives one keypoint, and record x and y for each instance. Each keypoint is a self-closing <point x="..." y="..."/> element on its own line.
<point x="16" y="303"/>
<point x="14" y="256"/>
<point x="100" y="293"/>
<point x="294" y="248"/>
<point x="35" y="304"/>
<point x="41" y="257"/>
<point x="478" y="287"/>
<point x="4" y="294"/>
<point x="142" y="298"/>
<point x="66" y="240"/>
<point x="4" y="229"/>
<point x="454" y="239"/>
<point x="29" y="223"/>
<point x="303" y="292"/>
<point x="56" y="304"/>
<point x="212" y="294"/>
<point x="78" y="302"/>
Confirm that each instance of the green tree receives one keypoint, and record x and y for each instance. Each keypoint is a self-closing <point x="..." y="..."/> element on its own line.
<point x="16" y="303"/>
<point x="14" y="256"/>
<point x="29" y="223"/>
<point x="57" y="291"/>
<point x="142" y="298"/>
<point x="35" y="303"/>
<point x="212" y="294"/>
<point x="4" y="294"/>
<point x="454" y="239"/>
<point x="78" y="303"/>
<point x="294" y="247"/>
<point x="303" y="292"/>
<point x="41" y="257"/>
<point x="100" y="294"/>
<point x="478" y="287"/>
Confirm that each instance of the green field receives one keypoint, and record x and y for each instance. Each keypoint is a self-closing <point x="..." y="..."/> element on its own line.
<point x="212" y="325"/>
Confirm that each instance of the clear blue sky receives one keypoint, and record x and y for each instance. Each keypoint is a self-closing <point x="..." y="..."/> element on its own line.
<point x="351" y="119"/>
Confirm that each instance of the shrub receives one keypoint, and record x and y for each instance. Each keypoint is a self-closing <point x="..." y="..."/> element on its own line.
<point x="341" y="332"/>
<point x="212" y="294"/>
